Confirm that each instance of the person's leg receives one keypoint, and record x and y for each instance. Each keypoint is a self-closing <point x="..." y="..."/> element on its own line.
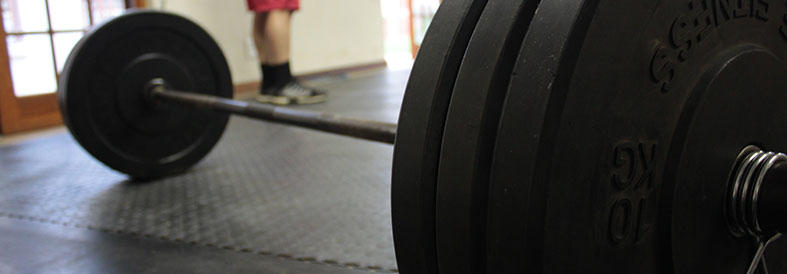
<point x="272" y="38"/>
<point x="258" y="32"/>
<point x="275" y="37"/>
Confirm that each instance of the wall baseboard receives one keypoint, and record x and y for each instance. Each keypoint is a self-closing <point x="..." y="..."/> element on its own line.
<point x="247" y="87"/>
<point x="254" y="86"/>
<point x="339" y="71"/>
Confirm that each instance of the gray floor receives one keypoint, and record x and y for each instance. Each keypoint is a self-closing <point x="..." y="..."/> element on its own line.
<point x="268" y="199"/>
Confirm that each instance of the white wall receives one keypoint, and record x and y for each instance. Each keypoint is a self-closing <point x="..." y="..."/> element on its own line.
<point x="325" y="34"/>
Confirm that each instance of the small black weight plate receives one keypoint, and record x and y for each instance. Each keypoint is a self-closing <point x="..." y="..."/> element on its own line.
<point x="613" y="155"/>
<point x="469" y="134"/>
<point x="102" y="102"/>
<point x="420" y="130"/>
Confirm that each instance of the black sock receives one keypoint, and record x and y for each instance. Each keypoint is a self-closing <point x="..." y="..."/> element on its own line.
<point x="276" y="75"/>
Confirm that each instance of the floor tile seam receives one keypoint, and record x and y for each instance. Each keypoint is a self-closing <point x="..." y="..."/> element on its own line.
<point x="282" y="256"/>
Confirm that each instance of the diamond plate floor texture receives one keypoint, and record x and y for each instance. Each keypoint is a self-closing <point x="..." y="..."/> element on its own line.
<point x="274" y="191"/>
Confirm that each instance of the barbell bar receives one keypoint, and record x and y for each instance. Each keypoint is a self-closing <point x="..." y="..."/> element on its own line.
<point x="347" y="126"/>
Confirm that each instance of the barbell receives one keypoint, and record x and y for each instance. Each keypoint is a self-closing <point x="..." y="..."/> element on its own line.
<point x="552" y="136"/>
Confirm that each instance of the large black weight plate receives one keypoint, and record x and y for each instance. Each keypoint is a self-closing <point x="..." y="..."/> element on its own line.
<point x="420" y="130"/>
<point x="469" y="134"/>
<point x="613" y="155"/>
<point x="101" y="98"/>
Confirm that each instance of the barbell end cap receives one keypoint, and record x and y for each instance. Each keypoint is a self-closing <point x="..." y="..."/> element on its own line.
<point x="152" y="90"/>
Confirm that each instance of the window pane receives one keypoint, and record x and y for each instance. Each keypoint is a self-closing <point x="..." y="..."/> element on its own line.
<point x="423" y="11"/>
<point x="64" y="42"/>
<point x="68" y="14"/>
<point x="32" y="70"/>
<point x="106" y="9"/>
<point x="396" y="19"/>
<point x="24" y="15"/>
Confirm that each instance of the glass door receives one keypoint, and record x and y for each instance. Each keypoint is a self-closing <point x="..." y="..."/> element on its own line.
<point x="39" y="35"/>
<point x="421" y="13"/>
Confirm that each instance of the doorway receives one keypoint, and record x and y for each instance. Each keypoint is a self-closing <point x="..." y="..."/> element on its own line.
<point x="406" y="22"/>
<point x="38" y="36"/>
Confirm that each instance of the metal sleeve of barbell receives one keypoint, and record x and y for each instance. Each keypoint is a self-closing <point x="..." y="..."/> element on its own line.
<point x="333" y="123"/>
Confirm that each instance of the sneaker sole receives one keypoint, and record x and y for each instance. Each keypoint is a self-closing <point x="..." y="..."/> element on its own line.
<point x="284" y="100"/>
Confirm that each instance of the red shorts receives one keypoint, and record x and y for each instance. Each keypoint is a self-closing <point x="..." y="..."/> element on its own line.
<point x="269" y="5"/>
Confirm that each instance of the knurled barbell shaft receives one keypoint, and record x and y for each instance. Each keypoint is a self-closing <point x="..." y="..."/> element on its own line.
<point x="328" y="122"/>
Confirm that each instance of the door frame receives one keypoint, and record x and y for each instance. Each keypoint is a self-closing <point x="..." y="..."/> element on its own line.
<point x="29" y="112"/>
